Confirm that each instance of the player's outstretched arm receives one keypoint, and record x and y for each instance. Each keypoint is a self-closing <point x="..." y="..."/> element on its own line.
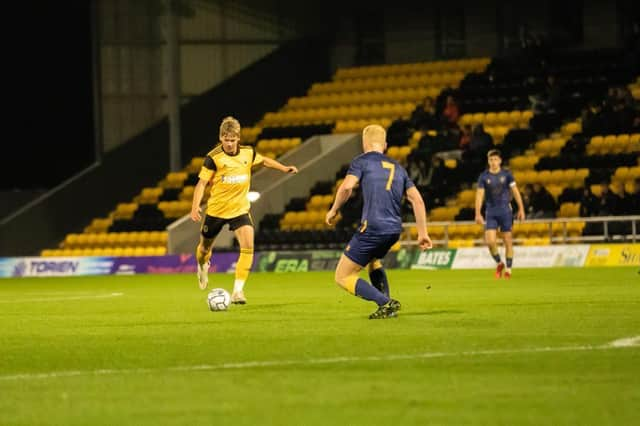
<point x="518" y="197"/>
<point x="420" y="213"/>
<point x="273" y="164"/>
<point x="479" y="200"/>
<point x="198" y="193"/>
<point x="342" y="195"/>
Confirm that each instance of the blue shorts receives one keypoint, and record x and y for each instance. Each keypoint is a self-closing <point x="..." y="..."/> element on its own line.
<point x="502" y="219"/>
<point x="365" y="247"/>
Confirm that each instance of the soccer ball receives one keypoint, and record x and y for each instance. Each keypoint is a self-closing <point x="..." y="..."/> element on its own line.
<point x="218" y="299"/>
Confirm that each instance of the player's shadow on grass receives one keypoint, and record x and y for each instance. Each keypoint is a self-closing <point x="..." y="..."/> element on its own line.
<point x="255" y="307"/>
<point x="441" y="312"/>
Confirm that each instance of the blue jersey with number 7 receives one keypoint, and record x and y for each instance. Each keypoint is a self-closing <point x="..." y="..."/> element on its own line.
<point x="383" y="182"/>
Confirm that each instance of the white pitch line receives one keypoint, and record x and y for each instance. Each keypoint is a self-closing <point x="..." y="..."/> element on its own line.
<point x="628" y="342"/>
<point x="57" y="299"/>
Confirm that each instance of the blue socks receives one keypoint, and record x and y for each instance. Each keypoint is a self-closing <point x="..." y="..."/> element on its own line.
<point x="509" y="262"/>
<point x="368" y="292"/>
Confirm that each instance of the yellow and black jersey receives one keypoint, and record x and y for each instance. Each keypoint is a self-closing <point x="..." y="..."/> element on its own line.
<point x="230" y="176"/>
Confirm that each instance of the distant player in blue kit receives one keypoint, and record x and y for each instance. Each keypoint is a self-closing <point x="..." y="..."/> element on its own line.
<point x="384" y="183"/>
<point x="495" y="187"/>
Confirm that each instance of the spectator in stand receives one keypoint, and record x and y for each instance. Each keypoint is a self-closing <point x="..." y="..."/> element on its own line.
<point x="635" y="125"/>
<point x="608" y="202"/>
<point x="543" y="205"/>
<point x="451" y="113"/>
<point x="424" y="116"/>
<point x="624" y="110"/>
<point x="588" y="203"/>
<point x="438" y="180"/>
<point x="590" y="118"/>
<point x="481" y="141"/>
<point x="572" y="195"/>
<point x="418" y="170"/>
<point x="473" y="158"/>
<point x="526" y="201"/>
<point x="618" y="113"/>
<point x="547" y="101"/>
<point x="630" y="202"/>
<point x="465" y="137"/>
<point x="352" y="210"/>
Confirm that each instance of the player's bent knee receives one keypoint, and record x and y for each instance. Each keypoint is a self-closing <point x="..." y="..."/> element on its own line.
<point x="206" y="244"/>
<point x="373" y="265"/>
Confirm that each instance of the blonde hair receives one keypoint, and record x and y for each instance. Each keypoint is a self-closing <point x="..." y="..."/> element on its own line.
<point x="229" y="125"/>
<point x="374" y="135"/>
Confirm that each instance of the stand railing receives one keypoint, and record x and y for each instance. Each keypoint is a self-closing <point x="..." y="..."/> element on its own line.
<point x="607" y="235"/>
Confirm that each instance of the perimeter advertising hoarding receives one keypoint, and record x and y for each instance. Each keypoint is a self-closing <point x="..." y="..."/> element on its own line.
<point x="572" y="255"/>
<point x="321" y="260"/>
<point x="614" y="255"/>
<point x="433" y="259"/>
<point x="70" y="266"/>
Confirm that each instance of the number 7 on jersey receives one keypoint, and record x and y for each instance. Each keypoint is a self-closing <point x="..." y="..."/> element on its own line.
<point x="392" y="170"/>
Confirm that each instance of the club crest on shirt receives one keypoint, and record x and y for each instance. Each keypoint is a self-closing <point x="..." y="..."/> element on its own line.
<point x="502" y="179"/>
<point x="488" y="181"/>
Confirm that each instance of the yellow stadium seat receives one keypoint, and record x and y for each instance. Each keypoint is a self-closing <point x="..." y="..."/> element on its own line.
<point x="544" y="177"/>
<point x="556" y="177"/>
<point x="569" y="210"/>
<point x="518" y="163"/>
<point x="451" y="163"/>
<point x="466" y="198"/>
<point x="491" y="119"/>
<point x="529" y="176"/>
<point x="570" y="129"/>
<point x="117" y="251"/>
<point x="574" y="229"/>
<point x="569" y="175"/>
<point x="556" y="146"/>
<point x="125" y="210"/>
<point x="477" y="118"/>
<point x="582" y="174"/>
<point x="393" y="152"/>
<point x="404" y="153"/>
<point x="621" y="174"/>
<point x="436" y="232"/>
<point x="622" y="141"/>
<point x="555" y="190"/>
<point x="515" y="118"/>
<point x="465" y="119"/>
<point x="543" y="147"/>
<point x="459" y="243"/>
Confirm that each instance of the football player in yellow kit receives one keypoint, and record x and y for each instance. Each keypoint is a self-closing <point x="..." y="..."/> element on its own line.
<point x="228" y="168"/>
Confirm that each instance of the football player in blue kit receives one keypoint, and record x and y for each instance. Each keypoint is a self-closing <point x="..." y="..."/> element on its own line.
<point x="496" y="187"/>
<point x="384" y="183"/>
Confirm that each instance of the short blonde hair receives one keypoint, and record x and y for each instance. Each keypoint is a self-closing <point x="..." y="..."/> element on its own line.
<point x="229" y="125"/>
<point x="374" y="134"/>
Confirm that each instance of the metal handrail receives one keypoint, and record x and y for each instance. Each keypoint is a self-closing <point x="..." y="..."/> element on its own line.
<point x="553" y="239"/>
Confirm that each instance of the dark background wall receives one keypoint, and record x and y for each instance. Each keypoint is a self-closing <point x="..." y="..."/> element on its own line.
<point x="49" y="58"/>
<point x="47" y="61"/>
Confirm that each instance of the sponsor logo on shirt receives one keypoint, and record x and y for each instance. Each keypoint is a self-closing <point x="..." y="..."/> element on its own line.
<point x="235" y="179"/>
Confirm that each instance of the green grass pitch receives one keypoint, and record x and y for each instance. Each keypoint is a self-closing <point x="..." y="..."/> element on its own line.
<point x="145" y="350"/>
